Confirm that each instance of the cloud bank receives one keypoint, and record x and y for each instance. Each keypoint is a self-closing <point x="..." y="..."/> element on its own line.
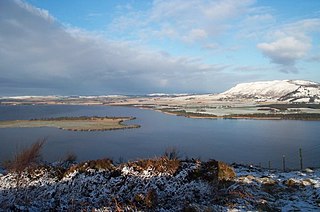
<point x="169" y="46"/>
<point x="40" y="55"/>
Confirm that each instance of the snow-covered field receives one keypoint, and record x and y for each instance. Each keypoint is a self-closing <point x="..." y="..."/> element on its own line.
<point x="173" y="186"/>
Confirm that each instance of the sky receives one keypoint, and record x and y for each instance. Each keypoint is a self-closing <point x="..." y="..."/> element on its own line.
<point x="100" y="47"/>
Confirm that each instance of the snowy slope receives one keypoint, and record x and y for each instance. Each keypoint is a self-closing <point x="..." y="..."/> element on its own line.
<point x="282" y="90"/>
<point x="126" y="188"/>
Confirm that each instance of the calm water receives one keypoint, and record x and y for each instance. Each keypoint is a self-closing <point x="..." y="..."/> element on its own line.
<point x="242" y="141"/>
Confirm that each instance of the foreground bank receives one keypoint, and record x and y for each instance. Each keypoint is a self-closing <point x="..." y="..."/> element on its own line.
<point x="159" y="184"/>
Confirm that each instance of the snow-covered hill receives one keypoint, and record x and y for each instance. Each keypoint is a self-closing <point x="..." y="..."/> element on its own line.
<point x="280" y="90"/>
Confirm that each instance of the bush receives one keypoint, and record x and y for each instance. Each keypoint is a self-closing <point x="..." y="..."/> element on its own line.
<point x="214" y="171"/>
<point x="172" y="153"/>
<point x="70" y="158"/>
<point x="27" y="158"/>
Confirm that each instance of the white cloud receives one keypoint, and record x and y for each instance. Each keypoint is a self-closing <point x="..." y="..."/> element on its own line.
<point x="255" y="25"/>
<point x="290" y="43"/>
<point x="211" y="46"/>
<point x="285" y="51"/>
<point x="195" y="34"/>
<point x="302" y="28"/>
<point x="36" y="11"/>
<point x="225" y="9"/>
<point x="186" y="21"/>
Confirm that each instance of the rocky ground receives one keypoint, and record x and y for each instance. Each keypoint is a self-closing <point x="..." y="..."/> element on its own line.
<point x="159" y="184"/>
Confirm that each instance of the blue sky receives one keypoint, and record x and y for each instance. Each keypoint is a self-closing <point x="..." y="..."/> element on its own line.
<point x="137" y="47"/>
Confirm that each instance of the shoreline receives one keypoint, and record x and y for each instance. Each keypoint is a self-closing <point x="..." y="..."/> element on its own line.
<point x="263" y="116"/>
<point x="253" y="116"/>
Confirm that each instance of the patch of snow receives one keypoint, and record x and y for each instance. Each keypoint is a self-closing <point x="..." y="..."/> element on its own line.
<point x="302" y="100"/>
<point x="29" y="97"/>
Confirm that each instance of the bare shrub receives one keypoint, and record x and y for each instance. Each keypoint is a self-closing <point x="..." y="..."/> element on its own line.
<point x="27" y="158"/>
<point x="70" y="158"/>
<point x="172" y="153"/>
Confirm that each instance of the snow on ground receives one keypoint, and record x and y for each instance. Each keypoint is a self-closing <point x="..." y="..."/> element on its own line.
<point x="129" y="187"/>
<point x="288" y="191"/>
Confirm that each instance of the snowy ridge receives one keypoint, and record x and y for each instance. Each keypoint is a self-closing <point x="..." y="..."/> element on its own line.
<point x="278" y="90"/>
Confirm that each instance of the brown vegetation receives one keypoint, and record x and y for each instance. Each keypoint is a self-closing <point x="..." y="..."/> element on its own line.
<point x="70" y="158"/>
<point x="172" y="153"/>
<point x="105" y="164"/>
<point x="151" y="199"/>
<point x="27" y="158"/>
<point x="214" y="171"/>
<point x="161" y="164"/>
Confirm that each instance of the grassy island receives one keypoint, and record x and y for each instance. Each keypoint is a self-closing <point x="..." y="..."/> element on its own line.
<point x="82" y="123"/>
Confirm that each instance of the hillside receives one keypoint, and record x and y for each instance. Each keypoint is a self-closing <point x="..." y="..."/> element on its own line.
<point x="160" y="184"/>
<point x="277" y="90"/>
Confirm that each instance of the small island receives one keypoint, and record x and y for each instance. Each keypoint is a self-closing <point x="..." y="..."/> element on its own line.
<point x="83" y="123"/>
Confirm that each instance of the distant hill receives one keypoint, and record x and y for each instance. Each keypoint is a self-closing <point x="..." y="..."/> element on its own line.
<point x="279" y="90"/>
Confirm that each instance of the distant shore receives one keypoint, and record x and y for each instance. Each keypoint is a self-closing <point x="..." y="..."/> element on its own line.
<point x="256" y="111"/>
<point x="258" y="116"/>
<point x="83" y="123"/>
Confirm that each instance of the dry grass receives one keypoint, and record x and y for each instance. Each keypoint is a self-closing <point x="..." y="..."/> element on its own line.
<point x="105" y="164"/>
<point x="27" y="158"/>
<point x="161" y="164"/>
